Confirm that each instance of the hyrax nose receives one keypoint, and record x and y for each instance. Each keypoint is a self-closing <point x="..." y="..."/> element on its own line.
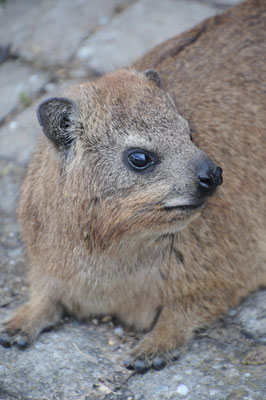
<point x="209" y="177"/>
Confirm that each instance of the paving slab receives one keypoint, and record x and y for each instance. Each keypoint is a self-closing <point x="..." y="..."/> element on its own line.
<point x="73" y="363"/>
<point x="137" y="29"/>
<point x="11" y="251"/>
<point x="19" y="84"/>
<point x="49" y="31"/>
<point x="20" y="135"/>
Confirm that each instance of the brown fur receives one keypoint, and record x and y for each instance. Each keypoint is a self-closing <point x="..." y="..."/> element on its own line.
<point x="98" y="236"/>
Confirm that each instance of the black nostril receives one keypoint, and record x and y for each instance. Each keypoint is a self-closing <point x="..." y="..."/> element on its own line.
<point x="217" y="176"/>
<point x="205" y="181"/>
<point x="209" y="179"/>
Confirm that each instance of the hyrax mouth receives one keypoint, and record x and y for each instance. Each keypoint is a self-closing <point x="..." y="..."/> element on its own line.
<point x="188" y="207"/>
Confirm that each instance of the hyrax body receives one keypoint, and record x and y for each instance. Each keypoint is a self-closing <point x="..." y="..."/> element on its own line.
<point x="113" y="208"/>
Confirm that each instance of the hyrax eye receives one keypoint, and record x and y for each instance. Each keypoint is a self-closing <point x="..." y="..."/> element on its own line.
<point x="139" y="159"/>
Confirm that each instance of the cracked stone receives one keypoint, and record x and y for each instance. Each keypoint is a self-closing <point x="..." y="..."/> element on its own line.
<point x="19" y="84"/>
<point x="19" y="137"/>
<point x="50" y="31"/>
<point x="115" y="46"/>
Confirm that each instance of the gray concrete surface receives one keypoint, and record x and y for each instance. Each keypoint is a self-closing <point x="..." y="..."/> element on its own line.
<point x="53" y="44"/>
<point x="19" y="83"/>
<point x="115" y="45"/>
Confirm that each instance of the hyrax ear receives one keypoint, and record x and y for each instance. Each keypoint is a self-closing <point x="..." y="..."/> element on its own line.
<point x="153" y="75"/>
<point x="56" y="116"/>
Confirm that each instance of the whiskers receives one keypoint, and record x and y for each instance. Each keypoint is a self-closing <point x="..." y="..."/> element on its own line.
<point x="142" y="212"/>
<point x="161" y="244"/>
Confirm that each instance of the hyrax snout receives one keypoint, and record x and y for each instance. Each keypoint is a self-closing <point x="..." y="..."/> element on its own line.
<point x="116" y="209"/>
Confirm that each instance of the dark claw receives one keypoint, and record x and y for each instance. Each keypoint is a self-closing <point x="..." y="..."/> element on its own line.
<point x="5" y="340"/>
<point x="140" y="367"/>
<point x="174" y="354"/>
<point x="22" y="342"/>
<point x="128" y="363"/>
<point x="158" y="363"/>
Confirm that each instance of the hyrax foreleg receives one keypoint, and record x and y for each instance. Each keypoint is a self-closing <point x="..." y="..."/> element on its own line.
<point x="174" y="327"/>
<point x="41" y="312"/>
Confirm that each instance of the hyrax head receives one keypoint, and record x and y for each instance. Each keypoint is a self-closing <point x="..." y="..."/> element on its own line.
<point x="127" y="157"/>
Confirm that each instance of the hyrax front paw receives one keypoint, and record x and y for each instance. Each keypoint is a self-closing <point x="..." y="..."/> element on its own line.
<point x="28" y="321"/>
<point x="141" y="363"/>
<point x="21" y="339"/>
<point x="153" y="352"/>
<point x="161" y="344"/>
<point x="17" y="330"/>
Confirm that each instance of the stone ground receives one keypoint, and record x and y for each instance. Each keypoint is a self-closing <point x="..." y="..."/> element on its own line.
<point x="45" y="46"/>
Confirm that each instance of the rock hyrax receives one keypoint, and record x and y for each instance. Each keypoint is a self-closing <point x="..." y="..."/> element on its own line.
<point x="116" y="208"/>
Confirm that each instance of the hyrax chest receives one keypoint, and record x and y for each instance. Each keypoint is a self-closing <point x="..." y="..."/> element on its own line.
<point x="130" y="294"/>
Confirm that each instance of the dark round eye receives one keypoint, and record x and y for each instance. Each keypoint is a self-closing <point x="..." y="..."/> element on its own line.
<point x="139" y="159"/>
